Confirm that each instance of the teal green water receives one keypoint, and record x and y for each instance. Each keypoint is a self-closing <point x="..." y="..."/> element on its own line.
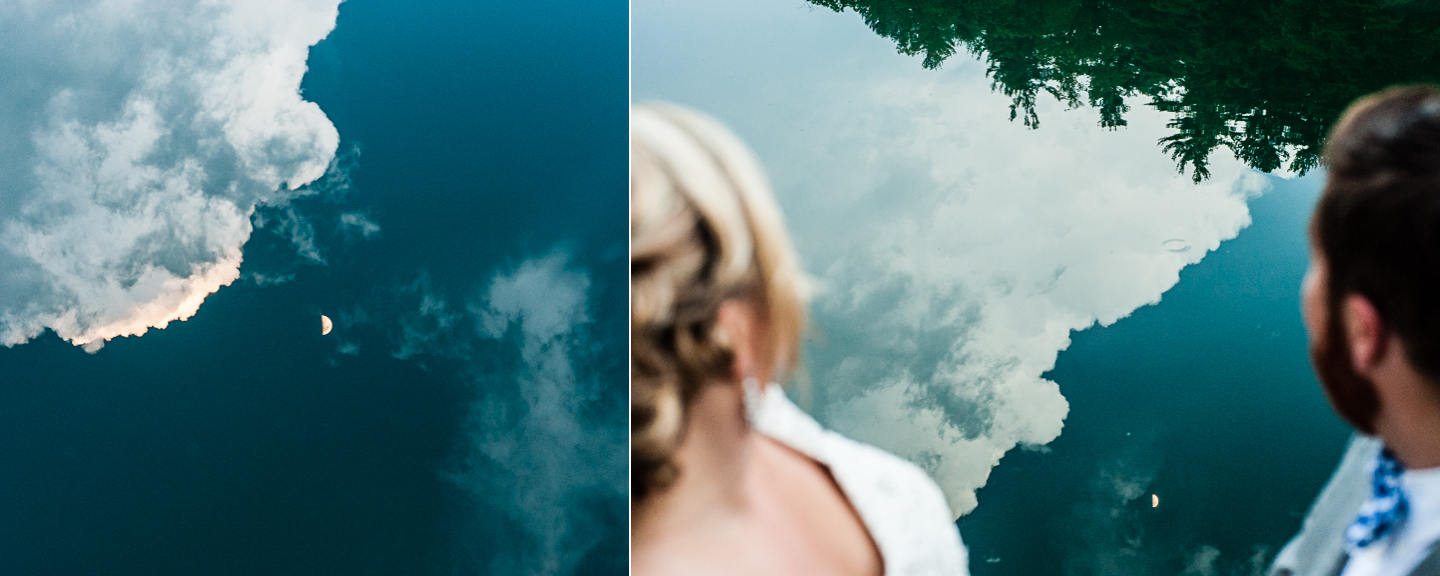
<point x="243" y="442"/>
<point x="1206" y="396"/>
<point x="870" y="121"/>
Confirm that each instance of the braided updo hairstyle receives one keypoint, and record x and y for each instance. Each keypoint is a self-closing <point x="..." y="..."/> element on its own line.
<point x="704" y="228"/>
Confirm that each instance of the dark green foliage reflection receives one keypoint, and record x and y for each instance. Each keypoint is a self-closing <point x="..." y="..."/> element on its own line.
<point x="1264" y="78"/>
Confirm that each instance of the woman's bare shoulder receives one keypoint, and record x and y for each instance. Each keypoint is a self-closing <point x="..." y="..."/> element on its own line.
<point x="902" y="508"/>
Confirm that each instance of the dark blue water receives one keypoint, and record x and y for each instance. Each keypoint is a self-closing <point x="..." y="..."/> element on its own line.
<point x="1205" y="399"/>
<point x="242" y="442"/>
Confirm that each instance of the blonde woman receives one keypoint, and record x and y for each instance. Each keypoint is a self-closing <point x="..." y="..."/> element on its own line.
<point x="730" y="477"/>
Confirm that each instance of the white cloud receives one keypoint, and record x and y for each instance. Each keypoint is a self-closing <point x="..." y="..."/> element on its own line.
<point x="357" y="223"/>
<point x="976" y="246"/>
<point x="550" y="456"/>
<point x="269" y="279"/>
<point x="290" y="224"/>
<point x="536" y="451"/>
<point x="1202" y="561"/>
<point x="959" y="249"/>
<point x="430" y="329"/>
<point x="138" y="138"/>
<point x="1106" y="532"/>
<point x="1205" y="561"/>
<point x="541" y="295"/>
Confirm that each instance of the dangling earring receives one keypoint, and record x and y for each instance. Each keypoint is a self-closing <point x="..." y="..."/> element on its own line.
<point x="754" y="398"/>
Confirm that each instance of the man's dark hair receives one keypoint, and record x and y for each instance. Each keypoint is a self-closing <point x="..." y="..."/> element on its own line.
<point x="1378" y="227"/>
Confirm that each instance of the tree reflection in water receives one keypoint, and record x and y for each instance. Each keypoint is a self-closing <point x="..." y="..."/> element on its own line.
<point x="1264" y="79"/>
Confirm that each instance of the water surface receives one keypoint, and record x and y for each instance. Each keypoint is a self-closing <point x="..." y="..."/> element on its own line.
<point x="1055" y="272"/>
<point x="488" y="145"/>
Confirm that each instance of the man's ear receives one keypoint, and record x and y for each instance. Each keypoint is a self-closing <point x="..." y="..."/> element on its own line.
<point x="735" y="325"/>
<point x="1366" y="333"/>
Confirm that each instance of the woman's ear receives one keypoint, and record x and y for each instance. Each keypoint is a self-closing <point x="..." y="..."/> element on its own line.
<point x="1365" y="332"/>
<point x="735" y="325"/>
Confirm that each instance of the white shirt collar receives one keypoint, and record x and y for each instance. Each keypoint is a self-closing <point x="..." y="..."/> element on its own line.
<point x="1422" y="492"/>
<point x="1404" y="549"/>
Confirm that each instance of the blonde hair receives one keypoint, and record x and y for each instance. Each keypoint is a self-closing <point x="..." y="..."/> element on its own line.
<point x="704" y="228"/>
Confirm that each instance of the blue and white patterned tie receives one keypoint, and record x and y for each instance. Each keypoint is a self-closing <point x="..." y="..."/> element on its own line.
<point x="1386" y="508"/>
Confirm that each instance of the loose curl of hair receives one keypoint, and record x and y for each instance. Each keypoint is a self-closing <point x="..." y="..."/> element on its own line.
<point x="704" y="228"/>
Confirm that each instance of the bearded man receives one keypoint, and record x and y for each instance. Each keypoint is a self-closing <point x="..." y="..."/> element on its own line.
<point x="1372" y="310"/>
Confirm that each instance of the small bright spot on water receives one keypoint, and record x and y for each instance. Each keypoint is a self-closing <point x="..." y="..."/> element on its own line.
<point x="1154" y="501"/>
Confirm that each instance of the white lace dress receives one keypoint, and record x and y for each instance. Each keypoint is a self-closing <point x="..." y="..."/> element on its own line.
<point x="904" y="511"/>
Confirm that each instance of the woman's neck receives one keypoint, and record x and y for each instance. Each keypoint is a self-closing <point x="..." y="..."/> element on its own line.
<point x="746" y="504"/>
<point x="712" y="460"/>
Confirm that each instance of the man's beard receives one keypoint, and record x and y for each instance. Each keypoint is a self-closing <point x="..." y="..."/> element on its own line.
<point x="1352" y="395"/>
